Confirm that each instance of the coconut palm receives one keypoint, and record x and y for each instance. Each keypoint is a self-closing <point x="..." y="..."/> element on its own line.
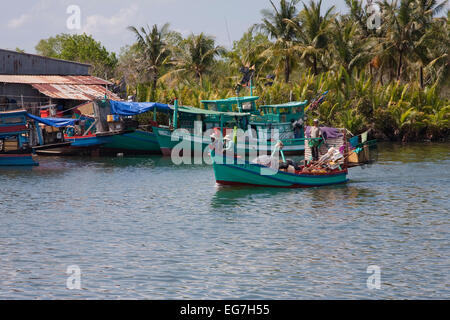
<point x="400" y="29"/>
<point x="275" y="25"/>
<point x="247" y="51"/>
<point x="430" y="34"/>
<point x="154" y="53"/>
<point x="358" y="16"/>
<point x="196" y="55"/>
<point x="349" y="49"/>
<point x="312" y="32"/>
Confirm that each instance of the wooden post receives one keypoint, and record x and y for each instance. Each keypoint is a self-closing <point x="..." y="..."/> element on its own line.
<point x="346" y="150"/>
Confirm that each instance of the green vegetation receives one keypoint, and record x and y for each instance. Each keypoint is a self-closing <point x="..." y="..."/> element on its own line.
<point x="394" y="79"/>
<point x="81" y="48"/>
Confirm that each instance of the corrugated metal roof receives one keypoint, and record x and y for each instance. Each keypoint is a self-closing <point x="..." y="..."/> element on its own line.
<point x="24" y="79"/>
<point x="74" y="91"/>
<point x="13" y="52"/>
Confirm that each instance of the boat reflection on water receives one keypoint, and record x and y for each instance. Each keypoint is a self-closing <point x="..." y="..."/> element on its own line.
<point x="318" y="197"/>
<point x="18" y="169"/>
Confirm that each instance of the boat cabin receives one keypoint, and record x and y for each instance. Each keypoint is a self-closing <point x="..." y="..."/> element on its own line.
<point x="234" y="104"/>
<point x="281" y="113"/>
<point x="187" y="116"/>
<point x="14" y="133"/>
<point x="15" y="148"/>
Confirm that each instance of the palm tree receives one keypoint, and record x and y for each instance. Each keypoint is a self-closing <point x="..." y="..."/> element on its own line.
<point x="429" y="35"/>
<point x="275" y="25"/>
<point x="349" y="48"/>
<point x="196" y="55"/>
<point x="247" y="51"/>
<point x="400" y="29"/>
<point x="358" y="15"/>
<point x="312" y="32"/>
<point x="154" y="53"/>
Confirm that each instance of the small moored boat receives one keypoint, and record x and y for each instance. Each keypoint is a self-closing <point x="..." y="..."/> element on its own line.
<point x="268" y="171"/>
<point x="15" y="149"/>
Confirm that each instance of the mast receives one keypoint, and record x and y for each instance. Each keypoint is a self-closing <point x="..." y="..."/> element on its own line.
<point x="175" y="115"/>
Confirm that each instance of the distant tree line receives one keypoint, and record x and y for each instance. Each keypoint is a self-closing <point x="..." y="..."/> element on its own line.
<point x="394" y="79"/>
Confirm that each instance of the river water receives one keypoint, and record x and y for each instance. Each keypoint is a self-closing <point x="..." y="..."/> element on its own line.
<point x="143" y="228"/>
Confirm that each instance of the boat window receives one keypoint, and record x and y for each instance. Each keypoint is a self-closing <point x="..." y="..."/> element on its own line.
<point x="247" y="106"/>
<point x="9" y="144"/>
<point x="211" y="106"/>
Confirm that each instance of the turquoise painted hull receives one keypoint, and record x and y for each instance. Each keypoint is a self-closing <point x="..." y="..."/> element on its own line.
<point x="233" y="173"/>
<point x="17" y="160"/>
<point x="164" y="138"/>
<point x="136" y="142"/>
<point x="88" y="141"/>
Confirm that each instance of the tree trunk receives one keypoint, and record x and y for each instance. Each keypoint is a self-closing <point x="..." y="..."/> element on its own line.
<point x="421" y="76"/>
<point x="155" y="81"/>
<point x="399" y="68"/>
<point x="315" y="65"/>
<point x="381" y="75"/>
<point x="287" y="69"/>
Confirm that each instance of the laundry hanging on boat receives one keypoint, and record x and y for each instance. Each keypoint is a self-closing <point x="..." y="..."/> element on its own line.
<point x="364" y="136"/>
<point x="327" y="132"/>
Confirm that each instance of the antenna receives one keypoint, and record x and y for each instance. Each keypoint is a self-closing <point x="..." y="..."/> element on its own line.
<point x="228" y="32"/>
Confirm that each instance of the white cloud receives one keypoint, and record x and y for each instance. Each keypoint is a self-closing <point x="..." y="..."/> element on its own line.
<point x="19" y="22"/>
<point x="112" y="25"/>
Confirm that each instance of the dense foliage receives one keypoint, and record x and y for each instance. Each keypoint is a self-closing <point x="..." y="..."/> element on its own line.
<point x="80" y="48"/>
<point x="393" y="78"/>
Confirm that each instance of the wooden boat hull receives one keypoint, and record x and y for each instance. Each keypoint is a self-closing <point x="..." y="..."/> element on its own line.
<point x="19" y="160"/>
<point x="229" y="172"/>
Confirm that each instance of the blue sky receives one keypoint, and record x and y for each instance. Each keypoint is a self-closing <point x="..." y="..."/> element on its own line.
<point x="25" y="22"/>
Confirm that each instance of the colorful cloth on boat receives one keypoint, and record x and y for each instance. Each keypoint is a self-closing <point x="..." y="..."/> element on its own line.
<point x="354" y="141"/>
<point x="134" y="108"/>
<point x="328" y="133"/>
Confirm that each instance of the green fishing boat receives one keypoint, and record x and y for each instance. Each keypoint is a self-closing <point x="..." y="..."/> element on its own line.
<point x="283" y="122"/>
<point x="268" y="171"/>
<point x="235" y="172"/>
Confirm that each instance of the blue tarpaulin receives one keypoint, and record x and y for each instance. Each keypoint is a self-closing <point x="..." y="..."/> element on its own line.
<point x="135" y="108"/>
<point x="54" y="122"/>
